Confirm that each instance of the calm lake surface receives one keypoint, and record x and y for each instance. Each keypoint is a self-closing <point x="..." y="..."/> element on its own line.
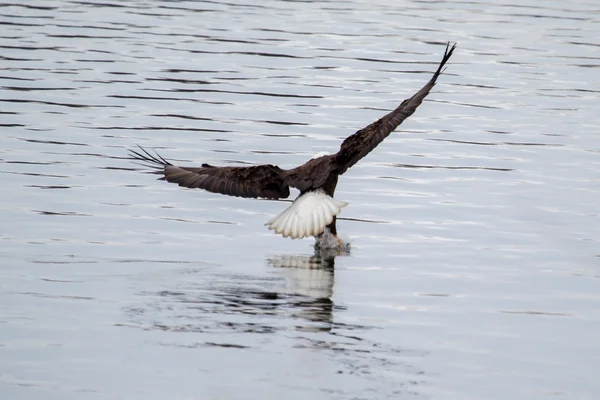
<point x="475" y="231"/>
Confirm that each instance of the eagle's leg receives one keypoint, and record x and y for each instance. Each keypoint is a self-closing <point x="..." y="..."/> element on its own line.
<point x="330" y="229"/>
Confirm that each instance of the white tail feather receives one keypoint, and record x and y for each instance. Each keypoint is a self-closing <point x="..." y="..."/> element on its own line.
<point x="308" y="215"/>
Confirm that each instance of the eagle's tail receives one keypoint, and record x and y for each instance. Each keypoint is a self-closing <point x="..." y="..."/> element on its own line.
<point x="308" y="215"/>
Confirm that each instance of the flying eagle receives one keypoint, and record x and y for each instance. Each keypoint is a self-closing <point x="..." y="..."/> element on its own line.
<point x="314" y="211"/>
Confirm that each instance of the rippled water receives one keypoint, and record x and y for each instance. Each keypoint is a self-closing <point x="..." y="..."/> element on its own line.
<point x="475" y="229"/>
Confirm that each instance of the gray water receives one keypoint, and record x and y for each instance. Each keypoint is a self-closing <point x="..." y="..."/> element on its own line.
<point x="474" y="229"/>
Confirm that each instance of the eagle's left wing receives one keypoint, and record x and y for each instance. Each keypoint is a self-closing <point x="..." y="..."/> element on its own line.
<point x="266" y="181"/>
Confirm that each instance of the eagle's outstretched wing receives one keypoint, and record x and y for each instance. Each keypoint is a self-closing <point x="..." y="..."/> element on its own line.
<point x="266" y="181"/>
<point x="362" y="142"/>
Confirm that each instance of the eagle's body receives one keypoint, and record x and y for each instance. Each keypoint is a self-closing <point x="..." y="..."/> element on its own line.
<point x="315" y="210"/>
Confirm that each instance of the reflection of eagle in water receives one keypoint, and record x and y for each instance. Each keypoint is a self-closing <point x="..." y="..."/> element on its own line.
<point x="314" y="212"/>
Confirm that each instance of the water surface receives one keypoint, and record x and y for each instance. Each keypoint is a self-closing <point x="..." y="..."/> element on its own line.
<point x="475" y="233"/>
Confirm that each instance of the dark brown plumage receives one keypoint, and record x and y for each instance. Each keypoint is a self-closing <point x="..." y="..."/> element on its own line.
<point x="271" y="182"/>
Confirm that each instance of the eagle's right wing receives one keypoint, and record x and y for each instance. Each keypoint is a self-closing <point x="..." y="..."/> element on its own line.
<point x="362" y="142"/>
<point x="266" y="181"/>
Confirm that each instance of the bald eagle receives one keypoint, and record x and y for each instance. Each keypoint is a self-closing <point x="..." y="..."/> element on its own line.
<point x="314" y="211"/>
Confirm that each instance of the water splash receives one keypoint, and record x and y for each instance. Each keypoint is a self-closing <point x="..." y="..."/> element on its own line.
<point x="332" y="244"/>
